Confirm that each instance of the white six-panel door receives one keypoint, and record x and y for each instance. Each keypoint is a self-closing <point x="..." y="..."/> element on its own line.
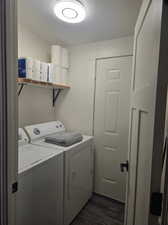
<point x="148" y="95"/>
<point x="111" y="125"/>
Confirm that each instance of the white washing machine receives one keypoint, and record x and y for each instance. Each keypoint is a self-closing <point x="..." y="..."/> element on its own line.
<point x="78" y="166"/>
<point x="40" y="184"/>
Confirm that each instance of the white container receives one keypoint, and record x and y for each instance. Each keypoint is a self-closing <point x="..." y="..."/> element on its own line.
<point x="56" y="54"/>
<point x="36" y="70"/>
<point x="65" y="58"/>
<point x="44" y="71"/>
<point x="54" y="73"/>
<point x="29" y="65"/>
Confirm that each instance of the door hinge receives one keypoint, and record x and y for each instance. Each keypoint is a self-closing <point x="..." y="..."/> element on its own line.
<point x="14" y="187"/>
<point x="156" y="204"/>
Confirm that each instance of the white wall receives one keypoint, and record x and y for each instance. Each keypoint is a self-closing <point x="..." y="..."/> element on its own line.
<point x="35" y="104"/>
<point x="75" y="107"/>
<point x="30" y="44"/>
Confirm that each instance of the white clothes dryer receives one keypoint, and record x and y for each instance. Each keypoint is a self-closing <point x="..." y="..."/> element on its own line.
<point x="78" y="166"/>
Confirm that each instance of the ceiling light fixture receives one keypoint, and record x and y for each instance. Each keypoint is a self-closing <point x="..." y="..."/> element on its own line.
<point x="70" y="11"/>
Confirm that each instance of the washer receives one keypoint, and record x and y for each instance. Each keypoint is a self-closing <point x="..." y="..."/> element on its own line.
<point x="78" y="166"/>
<point x="40" y="191"/>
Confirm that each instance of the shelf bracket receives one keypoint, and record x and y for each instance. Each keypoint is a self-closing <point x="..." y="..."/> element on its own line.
<point x="21" y="86"/>
<point x="56" y="93"/>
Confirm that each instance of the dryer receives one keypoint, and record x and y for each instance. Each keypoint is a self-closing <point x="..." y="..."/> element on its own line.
<point x="40" y="184"/>
<point x="78" y="166"/>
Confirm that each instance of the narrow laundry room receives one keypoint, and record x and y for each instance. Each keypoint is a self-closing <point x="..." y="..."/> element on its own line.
<point x="75" y="63"/>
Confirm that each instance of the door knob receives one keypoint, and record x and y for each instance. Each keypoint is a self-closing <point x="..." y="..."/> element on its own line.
<point x="124" y="166"/>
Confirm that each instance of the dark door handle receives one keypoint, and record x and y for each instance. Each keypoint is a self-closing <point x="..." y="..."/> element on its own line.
<point x="124" y="166"/>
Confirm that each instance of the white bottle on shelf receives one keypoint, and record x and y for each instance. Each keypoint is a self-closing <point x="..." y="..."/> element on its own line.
<point x="36" y="70"/>
<point x="54" y="73"/>
<point x="43" y="71"/>
<point x="29" y="66"/>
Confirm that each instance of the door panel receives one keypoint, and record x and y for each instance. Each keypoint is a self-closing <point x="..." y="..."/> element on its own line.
<point x="111" y="111"/>
<point x="143" y="168"/>
<point x="146" y="140"/>
<point x="112" y="102"/>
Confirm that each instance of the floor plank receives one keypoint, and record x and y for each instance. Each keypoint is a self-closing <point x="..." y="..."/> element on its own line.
<point x="101" y="211"/>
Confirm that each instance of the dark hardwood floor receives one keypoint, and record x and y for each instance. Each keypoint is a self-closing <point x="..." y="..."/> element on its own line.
<point x="101" y="211"/>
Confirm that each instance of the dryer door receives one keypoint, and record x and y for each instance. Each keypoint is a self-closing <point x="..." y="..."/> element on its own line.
<point x="78" y="180"/>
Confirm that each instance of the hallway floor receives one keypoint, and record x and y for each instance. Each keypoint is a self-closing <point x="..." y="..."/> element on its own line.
<point x="101" y="211"/>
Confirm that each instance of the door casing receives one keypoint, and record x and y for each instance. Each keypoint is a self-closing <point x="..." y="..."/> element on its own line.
<point x="8" y="102"/>
<point x="160" y="103"/>
<point x="3" y="121"/>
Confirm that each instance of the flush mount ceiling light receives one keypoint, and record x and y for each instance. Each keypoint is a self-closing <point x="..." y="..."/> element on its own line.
<point x="70" y="11"/>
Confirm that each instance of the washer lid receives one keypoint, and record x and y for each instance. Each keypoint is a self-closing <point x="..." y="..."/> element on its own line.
<point x="31" y="155"/>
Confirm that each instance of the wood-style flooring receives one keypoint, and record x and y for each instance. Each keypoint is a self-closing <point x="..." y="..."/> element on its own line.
<point x="101" y="211"/>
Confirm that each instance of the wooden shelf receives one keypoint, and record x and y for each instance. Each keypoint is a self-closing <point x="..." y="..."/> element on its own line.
<point x="57" y="88"/>
<point x="25" y="81"/>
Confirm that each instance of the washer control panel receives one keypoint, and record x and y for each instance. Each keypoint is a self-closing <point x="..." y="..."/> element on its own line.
<point x="41" y="130"/>
<point x="22" y="136"/>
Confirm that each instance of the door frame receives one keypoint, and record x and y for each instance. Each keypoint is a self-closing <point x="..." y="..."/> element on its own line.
<point x="161" y="96"/>
<point x="104" y="53"/>
<point x="3" y="121"/>
<point x="8" y="109"/>
<point x="161" y="101"/>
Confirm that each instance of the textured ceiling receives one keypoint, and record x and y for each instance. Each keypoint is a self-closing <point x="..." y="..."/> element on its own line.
<point x="106" y="19"/>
